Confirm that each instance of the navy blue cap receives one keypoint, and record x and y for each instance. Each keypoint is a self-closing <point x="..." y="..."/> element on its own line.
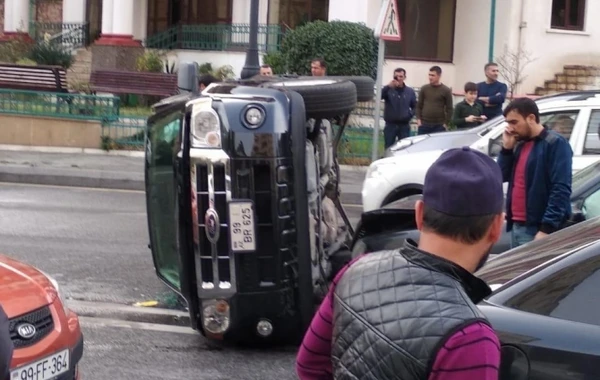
<point x="464" y="182"/>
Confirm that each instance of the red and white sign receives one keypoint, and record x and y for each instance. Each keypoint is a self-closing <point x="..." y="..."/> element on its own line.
<point x="388" y="27"/>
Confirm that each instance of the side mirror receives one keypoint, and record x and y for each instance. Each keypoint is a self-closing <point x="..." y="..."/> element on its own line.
<point x="187" y="77"/>
<point x="494" y="148"/>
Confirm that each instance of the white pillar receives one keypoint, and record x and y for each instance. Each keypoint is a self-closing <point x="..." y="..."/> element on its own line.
<point x="123" y="18"/>
<point x="107" y="16"/>
<point x="16" y="16"/>
<point x="141" y="20"/>
<point x="350" y="10"/>
<point x="240" y="13"/>
<point x="73" y="11"/>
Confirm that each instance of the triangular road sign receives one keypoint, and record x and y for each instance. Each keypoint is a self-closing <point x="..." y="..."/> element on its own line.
<point x="389" y="22"/>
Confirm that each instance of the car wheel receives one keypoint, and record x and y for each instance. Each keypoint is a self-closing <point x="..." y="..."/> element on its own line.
<point x="324" y="98"/>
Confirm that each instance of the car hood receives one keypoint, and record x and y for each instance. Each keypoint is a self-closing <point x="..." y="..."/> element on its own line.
<point x="435" y="141"/>
<point x="23" y="288"/>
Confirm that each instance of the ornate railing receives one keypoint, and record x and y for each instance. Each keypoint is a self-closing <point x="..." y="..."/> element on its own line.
<point x="69" y="36"/>
<point x="218" y="37"/>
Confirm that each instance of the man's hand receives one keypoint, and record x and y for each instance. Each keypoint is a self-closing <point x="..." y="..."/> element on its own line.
<point x="483" y="117"/>
<point x="418" y="122"/>
<point x="540" y="235"/>
<point x="485" y="99"/>
<point x="393" y="83"/>
<point x="470" y="119"/>
<point x="508" y="140"/>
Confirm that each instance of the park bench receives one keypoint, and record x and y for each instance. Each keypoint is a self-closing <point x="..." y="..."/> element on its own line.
<point x="133" y="82"/>
<point x="33" y="78"/>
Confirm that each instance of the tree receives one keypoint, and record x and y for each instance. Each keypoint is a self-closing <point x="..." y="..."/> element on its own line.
<point x="348" y="48"/>
<point x="512" y="67"/>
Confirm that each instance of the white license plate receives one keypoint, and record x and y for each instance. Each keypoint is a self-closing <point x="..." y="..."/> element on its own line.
<point x="45" y="369"/>
<point x="242" y="230"/>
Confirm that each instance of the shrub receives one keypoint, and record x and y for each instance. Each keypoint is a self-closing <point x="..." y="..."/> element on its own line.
<point x="348" y="48"/>
<point x="26" y="62"/>
<point x="14" y="50"/>
<point x="221" y="73"/>
<point x="150" y="61"/>
<point x="48" y="54"/>
<point x="276" y="61"/>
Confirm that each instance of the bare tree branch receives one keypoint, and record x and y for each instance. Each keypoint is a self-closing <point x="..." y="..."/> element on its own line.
<point x="512" y="67"/>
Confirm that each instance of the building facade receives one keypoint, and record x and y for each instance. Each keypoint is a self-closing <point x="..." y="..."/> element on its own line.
<point x="453" y="34"/>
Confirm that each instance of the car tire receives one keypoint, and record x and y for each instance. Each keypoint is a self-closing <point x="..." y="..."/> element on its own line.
<point x="365" y="87"/>
<point x="324" y="98"/>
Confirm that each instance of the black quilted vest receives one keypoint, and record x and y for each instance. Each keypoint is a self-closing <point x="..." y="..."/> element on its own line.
<point x="393" y="310"/>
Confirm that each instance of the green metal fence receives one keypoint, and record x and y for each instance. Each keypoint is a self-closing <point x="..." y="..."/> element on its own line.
<point x="218" y="37"/>
<point x="69" y="106"/>
<point x="128" y="131"/>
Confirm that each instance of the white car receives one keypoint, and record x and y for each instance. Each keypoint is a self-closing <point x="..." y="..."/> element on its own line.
<point x="576" y="116"/>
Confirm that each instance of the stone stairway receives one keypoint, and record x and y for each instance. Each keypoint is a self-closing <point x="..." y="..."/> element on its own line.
<point x="80" y="71"/>
<point x="572" y="78"/>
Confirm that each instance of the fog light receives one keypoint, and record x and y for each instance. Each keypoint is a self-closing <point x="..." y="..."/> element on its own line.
<point x="264" y="328"/>
<point x="215" y="316"/>
<point x="253" y="116"/>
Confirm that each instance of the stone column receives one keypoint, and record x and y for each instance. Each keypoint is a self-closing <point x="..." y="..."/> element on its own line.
<point x="73" y="12"/>
<point x="117" y="23"/>
<point x="350" y="10"/>
<point x="16" y="18"/>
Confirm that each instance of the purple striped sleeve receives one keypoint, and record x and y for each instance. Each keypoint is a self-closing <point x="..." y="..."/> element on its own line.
<point x="314" y="357"/>
<point x="471" y="353"/>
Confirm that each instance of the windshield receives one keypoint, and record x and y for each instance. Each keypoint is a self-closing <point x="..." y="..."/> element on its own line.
<point x="517" y="261"/>
<point x="585" y="175"/>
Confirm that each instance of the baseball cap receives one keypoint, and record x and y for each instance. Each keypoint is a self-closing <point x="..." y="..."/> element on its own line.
<point x="464" y="182"/>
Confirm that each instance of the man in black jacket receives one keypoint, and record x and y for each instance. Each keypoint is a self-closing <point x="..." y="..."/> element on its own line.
<point x="400" y="103"/>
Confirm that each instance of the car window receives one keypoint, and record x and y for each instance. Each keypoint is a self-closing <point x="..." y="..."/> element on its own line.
<point x="570" y="294"/>
<point x="592" y="137"/>
<point x="591" y="205"/>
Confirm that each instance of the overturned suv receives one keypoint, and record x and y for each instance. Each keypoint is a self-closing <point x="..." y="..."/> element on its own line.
<point x="243" y="201"/>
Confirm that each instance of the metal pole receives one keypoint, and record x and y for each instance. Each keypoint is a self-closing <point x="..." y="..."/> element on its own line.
<point x="378" y="85"/>
<point x="492" y="32"/>
<point x="252" y="65"/>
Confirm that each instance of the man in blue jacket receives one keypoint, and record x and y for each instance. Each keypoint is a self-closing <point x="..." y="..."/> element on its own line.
<point x="537" y="164"/>
<point x="491" y="93"/>
<point x="400" y="103"/>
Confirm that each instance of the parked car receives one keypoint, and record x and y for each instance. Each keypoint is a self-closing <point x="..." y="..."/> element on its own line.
<point x="45" y="333"/>
<point x="576" y="116"/>
<point x="388" y="227"/>
<point x="545" y="306"/>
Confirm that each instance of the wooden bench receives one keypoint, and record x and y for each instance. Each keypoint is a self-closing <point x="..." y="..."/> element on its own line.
<point x="133" y="82"/>
<point x="33" y="78"/>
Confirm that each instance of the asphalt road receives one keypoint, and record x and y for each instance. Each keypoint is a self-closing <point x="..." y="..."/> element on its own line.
<point x="93" y="241"/>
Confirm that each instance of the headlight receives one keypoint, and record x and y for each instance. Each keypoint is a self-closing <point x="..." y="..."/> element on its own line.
<point x="253" y="116"/>
<point x="57" y="289"/>
<point x="206" y="127"/>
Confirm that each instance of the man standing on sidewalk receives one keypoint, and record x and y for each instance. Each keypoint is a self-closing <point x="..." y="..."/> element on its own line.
<point x="491" y="93"/>
<point x="537" y="164"/>
<point x="400" y="103"/>
<point x="434" y="108"/>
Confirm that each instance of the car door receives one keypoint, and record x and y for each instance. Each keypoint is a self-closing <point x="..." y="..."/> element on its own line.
<point x="552" y="317"/>
<point x="587" y="148"/>
<point x="162" y="140"/>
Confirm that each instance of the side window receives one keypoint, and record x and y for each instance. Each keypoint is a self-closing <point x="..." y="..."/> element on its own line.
<point x="569" y="294"/>
<point x="561" y="122"/>
<point x="591" y="205"/>
<point x="592" y="137"/>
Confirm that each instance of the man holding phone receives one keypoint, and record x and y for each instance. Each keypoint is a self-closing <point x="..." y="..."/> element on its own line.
<point x="469" y="112"/>
<point x="400" y="103"/>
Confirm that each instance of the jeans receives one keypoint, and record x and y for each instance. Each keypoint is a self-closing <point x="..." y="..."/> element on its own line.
<point x="522" y="234"/>
<point x="393" y="131"/>
<point x="425" y="129"/>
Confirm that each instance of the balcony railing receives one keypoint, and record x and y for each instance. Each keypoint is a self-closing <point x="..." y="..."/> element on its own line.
<point x="69" y="36"/>
<point x="219" y="37"/>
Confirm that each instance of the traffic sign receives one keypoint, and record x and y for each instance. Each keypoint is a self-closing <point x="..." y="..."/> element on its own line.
<point x="388" y="27"/>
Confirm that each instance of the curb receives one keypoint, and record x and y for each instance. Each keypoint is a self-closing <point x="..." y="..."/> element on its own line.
<point x="67" y="150"/>
<point x="130" y="313"/>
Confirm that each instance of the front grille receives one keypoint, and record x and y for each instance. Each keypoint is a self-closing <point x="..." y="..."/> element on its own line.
<point x="40" y="318"/>
<point x="268" y="183"/>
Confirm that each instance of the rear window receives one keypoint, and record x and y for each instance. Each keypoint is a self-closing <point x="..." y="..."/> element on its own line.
<point x="517" y="261"/>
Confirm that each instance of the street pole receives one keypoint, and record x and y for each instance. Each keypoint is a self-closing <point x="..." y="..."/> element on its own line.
<point x="377" y="114"/>
<point x="492" y="32"/>
<point x="252" y="65"/>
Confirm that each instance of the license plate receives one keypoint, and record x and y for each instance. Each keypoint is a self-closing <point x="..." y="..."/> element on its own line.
<point x="242" y="230"/>
<point x="45" y="369"/>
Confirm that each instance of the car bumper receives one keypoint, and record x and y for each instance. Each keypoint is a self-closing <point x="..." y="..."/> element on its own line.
<point x="374" y="192"/>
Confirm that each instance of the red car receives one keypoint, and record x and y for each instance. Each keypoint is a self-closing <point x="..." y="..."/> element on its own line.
<point x="47" y="338"/>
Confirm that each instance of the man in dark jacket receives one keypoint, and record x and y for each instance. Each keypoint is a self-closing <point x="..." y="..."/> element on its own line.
<point x="6" y="346"/>
<point x="537" y="164"/>
<point x="400" y="103"/>
<point x="410" y="313"/>
<point x="491" y="93"/>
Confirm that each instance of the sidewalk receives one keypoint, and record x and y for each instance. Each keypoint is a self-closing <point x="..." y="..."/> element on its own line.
<point x="114" y="170"/>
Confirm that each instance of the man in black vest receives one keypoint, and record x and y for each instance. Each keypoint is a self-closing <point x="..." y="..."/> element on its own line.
<point x="410" y="313"/>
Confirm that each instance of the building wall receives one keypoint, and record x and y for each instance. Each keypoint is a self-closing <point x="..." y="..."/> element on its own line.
<point x="1" y="17"/>
<point x="49" y="11"/>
